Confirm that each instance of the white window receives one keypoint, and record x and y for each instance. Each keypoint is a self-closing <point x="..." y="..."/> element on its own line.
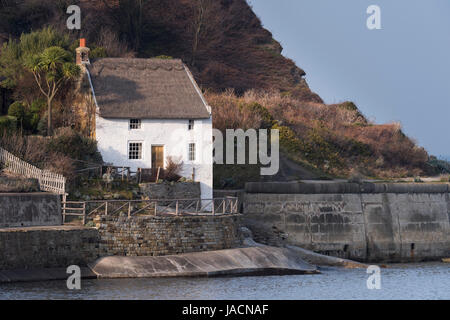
<point x="135" y="124"/>
<point x="135" y="150"/>
<point x="191" y="153"/>
<point x="191" y="125"/>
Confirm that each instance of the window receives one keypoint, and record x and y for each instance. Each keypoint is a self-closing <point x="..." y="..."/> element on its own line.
<point x="135" y="150"/>
<point x="191" y="125"/>
<point x="191" y="155"/>
<point x="135" y="124"/>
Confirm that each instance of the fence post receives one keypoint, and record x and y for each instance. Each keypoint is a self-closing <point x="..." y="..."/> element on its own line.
<point x="176" y="208"/>
<point x="129" y="210"/>
<point x="106" y="208"/>
<point x="84" y="213"/>
<point x="64" y="209"/>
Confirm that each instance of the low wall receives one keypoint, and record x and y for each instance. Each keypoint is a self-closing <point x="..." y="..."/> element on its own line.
<point x="61" y="246"/>
<point x="367" y="222"/>
<point x="165" y="190"/>
<point x="165" y="235"/>
<point x="30" y="209"/>
<point x="47" y="247"/>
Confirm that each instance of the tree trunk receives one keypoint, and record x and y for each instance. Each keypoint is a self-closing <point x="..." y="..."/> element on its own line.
<point x="49" y="117"/>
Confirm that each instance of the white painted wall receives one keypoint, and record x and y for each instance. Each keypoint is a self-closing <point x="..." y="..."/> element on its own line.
<point x="113" y="136"/>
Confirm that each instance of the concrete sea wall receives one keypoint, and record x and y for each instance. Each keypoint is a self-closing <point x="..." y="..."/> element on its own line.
<point x="365" y="222"/>
<point x="29" y="209"/>
<point x="165" y="235"/>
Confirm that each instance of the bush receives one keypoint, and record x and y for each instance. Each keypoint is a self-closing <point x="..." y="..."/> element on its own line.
<point x="20" y="112"/>
<point x="58" y="153"/>
<point x="8" y="124"/>
<point x="98" y="52"/>
<point x="173" y="169"/>
<point x="74" y="145"/>
<point x="42" y="125"/>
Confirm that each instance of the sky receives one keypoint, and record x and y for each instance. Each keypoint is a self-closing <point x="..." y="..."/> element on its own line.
<point x="399" y="73"/>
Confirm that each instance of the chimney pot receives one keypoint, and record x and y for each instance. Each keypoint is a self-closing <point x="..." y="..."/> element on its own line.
<point x="82" y="43"/>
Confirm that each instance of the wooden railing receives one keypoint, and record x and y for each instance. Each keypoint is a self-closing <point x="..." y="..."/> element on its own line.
<point x="87" y="209"/>
<point x="48" y="181"/>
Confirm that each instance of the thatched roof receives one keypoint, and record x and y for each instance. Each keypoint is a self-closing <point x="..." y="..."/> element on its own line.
<point x="146" y="88"/>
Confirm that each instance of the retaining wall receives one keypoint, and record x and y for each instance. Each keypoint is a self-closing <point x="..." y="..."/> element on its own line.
<point x="367" y="222"/>
<point x="30" y="209"/>
<point x="165" y="235"/>
<point x="47" y="247"/>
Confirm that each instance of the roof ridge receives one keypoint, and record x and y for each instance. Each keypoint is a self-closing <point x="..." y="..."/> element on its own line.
<point x="140" y="63"/>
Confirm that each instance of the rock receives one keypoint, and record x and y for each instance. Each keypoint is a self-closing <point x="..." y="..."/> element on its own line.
<point x="263" y="260"/>
<point x="320" y="259"/>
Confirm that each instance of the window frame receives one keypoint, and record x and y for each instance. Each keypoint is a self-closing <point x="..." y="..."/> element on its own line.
<point x="141" y="143"/>
<point x="138" y="124"/>
<point x="192" y="152"/>
<point x="191" y="124"/>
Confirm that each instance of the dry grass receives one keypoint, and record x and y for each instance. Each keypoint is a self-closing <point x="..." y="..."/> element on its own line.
<point x="336" y="139"/>
<point x="55" y="153"/>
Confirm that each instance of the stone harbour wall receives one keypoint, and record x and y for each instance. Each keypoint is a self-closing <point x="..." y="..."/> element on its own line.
<point x="47" y="247"/>
<point x="166" y="235"/>
<point x="368" y="222"/>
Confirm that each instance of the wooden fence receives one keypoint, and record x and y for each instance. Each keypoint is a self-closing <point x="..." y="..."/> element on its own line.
<point x="87" y="209"/>
<point x="48" y="181"/>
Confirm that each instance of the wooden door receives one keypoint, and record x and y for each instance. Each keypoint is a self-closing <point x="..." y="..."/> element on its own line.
<point x="157" y="157"/>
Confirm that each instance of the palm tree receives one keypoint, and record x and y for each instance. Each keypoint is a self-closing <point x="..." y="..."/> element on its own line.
<point x="51" y="69"/>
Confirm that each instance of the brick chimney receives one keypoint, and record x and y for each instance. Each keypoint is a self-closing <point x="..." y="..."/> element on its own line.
<point x="82" y="53"/>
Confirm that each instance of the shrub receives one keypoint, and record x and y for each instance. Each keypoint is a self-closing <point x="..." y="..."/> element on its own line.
<point x="8" y="123"/>
<point x="57" y="153"/>
<point x="74" y="145"/>
<point x="98" y="52"/>
<point x="174" y="167"/>
<point x="20" y="112"/>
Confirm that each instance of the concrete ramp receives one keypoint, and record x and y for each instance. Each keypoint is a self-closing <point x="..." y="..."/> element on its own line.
<point x="242" y="261"/>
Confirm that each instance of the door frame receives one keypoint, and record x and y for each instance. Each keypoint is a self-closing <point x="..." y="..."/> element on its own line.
<point x="163" y="155"/>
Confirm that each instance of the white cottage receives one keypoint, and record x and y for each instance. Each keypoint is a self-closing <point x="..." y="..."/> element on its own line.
<point x="148" y="110"/>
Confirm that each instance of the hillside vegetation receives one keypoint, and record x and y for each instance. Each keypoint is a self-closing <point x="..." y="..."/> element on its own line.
<point x="239" y="65"/>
